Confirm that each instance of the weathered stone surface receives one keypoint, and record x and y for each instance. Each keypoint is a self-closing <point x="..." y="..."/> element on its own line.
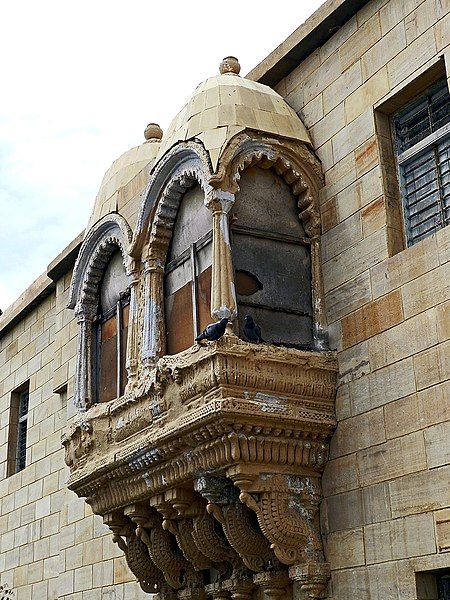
<point x="395" y="458"/>
<point x="407" y="338"/>
<point x="365" y="37"/>
<point x="376" y="503"/>
<point x="343" y="511"/>
<point x="382" y="386"/>
<point x="442" y="519"/>
<point x="421" y="492"/>
<point x="358" y="432"/>
<point x="367" y="94"/>
<point x="426" y="291"/>
<point x="372" y="318"/>
<point x="437" y="445"/>
<point x="399" y="538"/>
<point x="340" y="475"/>
<point x="345" y="548"/>
<point x="355" y="260"/>
<point x="385" y="49"/>
<point x="348" y="297"/>
<point x="404" y="267"/>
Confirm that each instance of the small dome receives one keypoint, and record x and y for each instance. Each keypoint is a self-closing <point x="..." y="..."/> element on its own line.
<point x="126" y="179"/>
<point x="228" y="104"/>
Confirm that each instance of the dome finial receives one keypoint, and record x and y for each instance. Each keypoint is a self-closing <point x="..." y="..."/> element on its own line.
<point x="153" y="133"/>
<point x="230" y="66"/>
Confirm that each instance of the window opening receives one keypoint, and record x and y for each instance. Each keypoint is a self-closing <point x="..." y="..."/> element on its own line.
<point x="112" y="331"/>
<point x="18" y="425"/>
<point x="188" y="272"/>
<point x="422" y="141"/>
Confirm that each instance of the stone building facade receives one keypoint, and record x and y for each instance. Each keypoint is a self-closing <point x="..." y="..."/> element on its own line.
<point x="350" y="389"/>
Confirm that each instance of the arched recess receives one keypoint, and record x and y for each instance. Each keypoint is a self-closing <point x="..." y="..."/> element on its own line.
<point x="296" y="165"/>
<point x="108" y="238"/>
<point x="185" y="169"/>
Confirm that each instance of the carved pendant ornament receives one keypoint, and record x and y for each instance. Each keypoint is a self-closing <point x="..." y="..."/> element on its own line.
<point x="208" y="468"/>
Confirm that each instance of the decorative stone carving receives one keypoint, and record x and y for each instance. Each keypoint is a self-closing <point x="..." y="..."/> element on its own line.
<point x="208" y="469"/>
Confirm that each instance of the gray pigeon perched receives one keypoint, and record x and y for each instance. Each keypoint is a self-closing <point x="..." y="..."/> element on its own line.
<point x="252" y="330"/>
<point x="213" y="332"/>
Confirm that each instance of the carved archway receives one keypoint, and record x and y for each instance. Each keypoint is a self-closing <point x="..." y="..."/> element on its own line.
<point x="108" y="235"/>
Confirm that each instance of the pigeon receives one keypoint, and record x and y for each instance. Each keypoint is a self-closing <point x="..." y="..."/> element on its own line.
<point x="213" y="332"/>
<point x="252" y="330"/>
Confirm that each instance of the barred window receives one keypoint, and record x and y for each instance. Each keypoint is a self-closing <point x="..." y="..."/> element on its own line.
<point x="17" y="439"/>
<point x="422" y="141"/>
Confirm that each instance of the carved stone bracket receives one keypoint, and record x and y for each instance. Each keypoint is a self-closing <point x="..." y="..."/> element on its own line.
<point x="242" y="534"/>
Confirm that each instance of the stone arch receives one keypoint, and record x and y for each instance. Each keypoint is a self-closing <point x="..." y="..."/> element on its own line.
<point x="102" y="239"/>
<point x="293" y="161"/>
<point x="181" y="167"/>
<point x="298" y="166"/>
<point x="105" y="237"/>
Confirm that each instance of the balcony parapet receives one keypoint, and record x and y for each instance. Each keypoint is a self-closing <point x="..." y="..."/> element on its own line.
<point x="211" y="464"/>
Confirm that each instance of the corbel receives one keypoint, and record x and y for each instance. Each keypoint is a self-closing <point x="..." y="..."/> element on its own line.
<point x="235" y="518"/>
<point x="158" y="541"/>
<point x="287" y="509"/>
<point x="137" y="556"/>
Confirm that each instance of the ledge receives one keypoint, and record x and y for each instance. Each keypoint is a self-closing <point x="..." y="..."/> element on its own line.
<point x="312" y="34"/>
<point x="41" y="288"/>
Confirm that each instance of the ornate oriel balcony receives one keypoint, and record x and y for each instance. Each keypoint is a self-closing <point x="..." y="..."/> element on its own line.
<point x="205" y="460"/>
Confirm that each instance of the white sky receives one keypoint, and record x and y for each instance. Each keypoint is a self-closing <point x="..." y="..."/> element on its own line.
<point x="79" y="82"/>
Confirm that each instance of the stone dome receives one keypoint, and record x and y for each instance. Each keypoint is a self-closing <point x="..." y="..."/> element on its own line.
<point x="225" y="105"/>
<point x="125" y="180"/>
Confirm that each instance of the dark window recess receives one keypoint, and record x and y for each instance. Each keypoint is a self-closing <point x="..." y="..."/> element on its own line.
<point x="17" y="438"/>
<point x="271" y="257"/>
<point x="187" y="283"/>
<point x="422" y="139"/>
<point x="111" y="331"/>
<point x="433" y="585"/>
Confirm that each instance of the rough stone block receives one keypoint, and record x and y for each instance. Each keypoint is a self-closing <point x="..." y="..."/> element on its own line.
<point x="395" y="458"/>
<point x="426" y="291"/>
<point x="420" y="492"/>
<point x="342" y="88"/>
<point x="376" y="503"/>
<point x="383" y="51"/>
<point x="345" y="548"/>
<point x="340" y="475"/>
<point x="348" y="297"/>
<point x="343" y="512"/>
<point x="366" y="36"/>
<point x="442" y="519"/>
<point x="372" y="318"/>
<point x="355" y="260"/>
<point x="437" y="445"/>
<point x="341" y="237"/>
<point x="358" y="432"/>
<point x="405" y="339"/>
<point x="400" y="538"/>
<point x="382" y="386"/>
<point x="405" y="266"/>
<point x="367" y="94"/>
<point x="353" y="135"/>
<point x="410" y="59"/>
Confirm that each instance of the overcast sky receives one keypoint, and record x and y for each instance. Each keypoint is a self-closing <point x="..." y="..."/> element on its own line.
<point x="79" y="82"/>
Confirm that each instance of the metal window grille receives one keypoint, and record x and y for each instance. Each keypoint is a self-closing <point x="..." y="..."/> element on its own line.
<point x="21" y="453"/>
<point x="422" y="140"/>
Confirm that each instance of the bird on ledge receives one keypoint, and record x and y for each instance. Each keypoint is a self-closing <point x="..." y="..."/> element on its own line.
<point x="213" y="332"/>
<point x="252" y="330"/>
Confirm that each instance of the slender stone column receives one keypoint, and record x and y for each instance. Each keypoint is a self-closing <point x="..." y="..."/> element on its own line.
<point x="84" y="387"/>
<point x="223" y="294"/>
<point x="154" y="336"/>
<point x="320" y="332"/>
<point x="313" y="578"/>
<point x="240" y="589"/>
<point x="273" y="584"/>
<point x="216" y="592"/>
<point x="133" y="325"/>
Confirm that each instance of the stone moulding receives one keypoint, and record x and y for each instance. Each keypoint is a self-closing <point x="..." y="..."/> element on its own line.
<point x="207" y="470"/>
<point x="227" y="440"/>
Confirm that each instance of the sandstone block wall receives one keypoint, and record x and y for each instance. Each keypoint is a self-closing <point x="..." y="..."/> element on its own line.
<point x="51" y="545"/>
<point x="385" y="514"/>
